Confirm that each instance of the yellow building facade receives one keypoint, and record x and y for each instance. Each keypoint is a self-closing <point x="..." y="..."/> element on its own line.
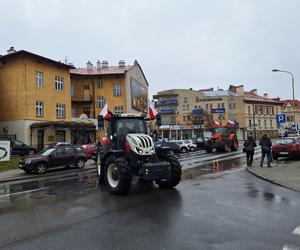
<point x="35" y="101"/>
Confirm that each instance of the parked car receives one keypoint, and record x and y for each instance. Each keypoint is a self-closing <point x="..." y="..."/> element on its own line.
<point x="20" y="148"/>
<point x="172" y="145"/>
<point x="191" y="145"/>
<point x="286" y="147"/>
<point x="201" y="142"/>
<point x="89" y="149"/>
<point x="54" y="157"/>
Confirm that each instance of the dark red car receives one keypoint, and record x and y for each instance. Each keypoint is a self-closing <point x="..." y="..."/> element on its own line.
<point x="89" y="149"/>
<point x="286" y="147"/>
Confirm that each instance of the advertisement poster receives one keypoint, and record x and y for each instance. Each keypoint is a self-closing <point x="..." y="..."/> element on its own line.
<point x="4" y="150"/>
<point x="139" y="96"/>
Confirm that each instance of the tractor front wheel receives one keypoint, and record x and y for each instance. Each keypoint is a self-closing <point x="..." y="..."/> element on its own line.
<point x="117" y="175"/>
<point x="175" y="168"/>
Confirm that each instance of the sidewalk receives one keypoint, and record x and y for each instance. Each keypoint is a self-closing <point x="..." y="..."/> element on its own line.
<point x="283" y="173"/>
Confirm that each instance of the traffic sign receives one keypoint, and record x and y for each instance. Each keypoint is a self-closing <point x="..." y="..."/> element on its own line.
<point x="281" y="118"/>
<point x="295" y="127"/>
<point x="217" y="111"/>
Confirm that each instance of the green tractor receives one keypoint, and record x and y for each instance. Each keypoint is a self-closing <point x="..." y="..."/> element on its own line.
<point x="128" y="151"/>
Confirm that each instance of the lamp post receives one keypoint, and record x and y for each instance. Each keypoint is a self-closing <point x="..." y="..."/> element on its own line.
<point x="293" y="88"/>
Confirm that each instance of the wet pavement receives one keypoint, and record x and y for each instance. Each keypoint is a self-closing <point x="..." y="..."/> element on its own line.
<point x="218" y="206"/>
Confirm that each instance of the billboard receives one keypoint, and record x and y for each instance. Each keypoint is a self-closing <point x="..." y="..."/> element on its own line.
<point x="139" y="96"/>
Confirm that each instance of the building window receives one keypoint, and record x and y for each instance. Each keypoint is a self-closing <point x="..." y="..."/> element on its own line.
<point x="271" y="123"/>
<point x="39" y="108"/>
<point x="232" y="105"/>
<point x="250" y="123"/>
<point x="86" y="87"/>
<point x="73" y="112"/>
<point x="99" y="85"/>
<point x="249" y="109"/>
<point x="73" y="91"/>
<point x="39" y="79"/>
<point x="117" y="89"/>
<point x="118" y="109"/>
<point x="185" y="107"/>
<point x="59" y="83"/>
<point x="60" y="111"/>
<point x="259" y="124"/>
<point x="197" y="99"/>
<point x="100" y="102"/>
<point x="185" y="99"/>
<point x="276" y="110"/>
<point x="265" y="123"/>
<point x="87" y="111"/>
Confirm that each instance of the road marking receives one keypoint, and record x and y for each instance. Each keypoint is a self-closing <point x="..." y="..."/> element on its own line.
<point x="24" y="192"/>
<point x="290" y="247"/>
<point x="297" y="231"/>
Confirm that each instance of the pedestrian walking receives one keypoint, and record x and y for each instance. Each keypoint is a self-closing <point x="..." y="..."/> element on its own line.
<point x="266" y="145"/>
<point x="249" y="147"/>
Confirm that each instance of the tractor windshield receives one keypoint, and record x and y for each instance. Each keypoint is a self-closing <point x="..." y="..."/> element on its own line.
<point x="221" y="131"/>
<point x="129" y="126"/>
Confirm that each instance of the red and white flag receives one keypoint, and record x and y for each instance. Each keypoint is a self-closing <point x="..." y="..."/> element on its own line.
<point x="104" y="112"/>
<point x="152" y="111"/>
<point x="230" y="123"/>
<point x="216" y="124"/>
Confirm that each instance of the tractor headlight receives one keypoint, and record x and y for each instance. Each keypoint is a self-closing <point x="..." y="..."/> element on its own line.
<point x="140" y="151"/>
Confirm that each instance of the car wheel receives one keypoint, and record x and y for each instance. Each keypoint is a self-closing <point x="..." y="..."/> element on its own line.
<point x="183" y="150"/>
<point x="80" y="163"/>
<point x="41" y="168"/>
<point x="31" y="152"/>
<point x="192" y="149"/>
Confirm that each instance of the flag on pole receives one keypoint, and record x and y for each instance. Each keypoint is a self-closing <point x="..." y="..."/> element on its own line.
<point x="216" y="124"/>
<point x="152" y="111"/>
<point x="104" y="112"/>
<point x="230" y="123"/>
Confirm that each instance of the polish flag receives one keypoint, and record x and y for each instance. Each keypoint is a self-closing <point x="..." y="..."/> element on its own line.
<point x="104" y="112"/>
<point x="152" y="111"/>
<point x="216" y="124"/>
<point x="230" y="123"/>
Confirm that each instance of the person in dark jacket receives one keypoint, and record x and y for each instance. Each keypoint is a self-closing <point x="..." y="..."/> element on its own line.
<point x="266" y="145"/>
<point x="249" y="147"/>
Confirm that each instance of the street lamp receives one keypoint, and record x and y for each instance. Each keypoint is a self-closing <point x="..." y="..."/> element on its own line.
<point x="293" y="87"/>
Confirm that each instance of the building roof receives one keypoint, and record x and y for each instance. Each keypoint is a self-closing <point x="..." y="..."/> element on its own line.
<point x="111" y="70"/>
<point x="24" y="52"/>
<point x="252" y="97"/>
<point x="288" y="102"/>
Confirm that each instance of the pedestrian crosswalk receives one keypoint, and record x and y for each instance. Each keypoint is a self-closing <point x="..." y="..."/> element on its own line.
<point x="289" y="246"/>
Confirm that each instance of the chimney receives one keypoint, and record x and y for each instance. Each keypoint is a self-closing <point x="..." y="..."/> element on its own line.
<point x="266" y="95"/>
<point x="104" y="64"/>
<point x="121" y="63"/>
<point x="253" y="91"/>
<point x="11" y="50"/>
<point x="98" y="64"/>
<point x="232" y="88"/>
<point x="89" y="65"/>
<point x="136" y="62"/>
<point x="240" y="89"/>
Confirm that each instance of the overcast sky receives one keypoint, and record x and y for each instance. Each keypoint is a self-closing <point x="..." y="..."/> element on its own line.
<point x="179" y="44"/>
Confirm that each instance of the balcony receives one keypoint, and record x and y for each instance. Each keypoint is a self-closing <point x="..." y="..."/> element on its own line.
<point x="85" y="99"/>
<point x="167" y="102"/>
<point x="167" y="111"/>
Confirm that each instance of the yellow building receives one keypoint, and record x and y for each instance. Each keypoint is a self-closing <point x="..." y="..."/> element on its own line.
<point x="35" y="101"/>
<point x="124" y="88"/>
<point x="287" y="109"/>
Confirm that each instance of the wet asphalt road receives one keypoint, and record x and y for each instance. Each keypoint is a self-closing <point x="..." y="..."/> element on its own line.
<point x="221" y="210"/>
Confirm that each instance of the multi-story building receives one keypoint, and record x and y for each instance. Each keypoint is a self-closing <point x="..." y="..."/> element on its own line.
<point x="181" y="112"/>
<point x="123" y="88"/>
<point x="260" y="114"/>
<point x="43" y="101"/>
<point x="287" y="109"/>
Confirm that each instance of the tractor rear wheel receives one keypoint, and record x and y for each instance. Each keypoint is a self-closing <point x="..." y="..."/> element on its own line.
<point x="117" y="175"/>
<point x="175" y="172"/>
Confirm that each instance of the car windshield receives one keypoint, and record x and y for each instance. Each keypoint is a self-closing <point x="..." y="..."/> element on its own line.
<point x="47" y="151"/>
<point x="285" y="141"/>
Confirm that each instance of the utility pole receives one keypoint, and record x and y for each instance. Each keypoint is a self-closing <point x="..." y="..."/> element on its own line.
<point x="254" y="122"/>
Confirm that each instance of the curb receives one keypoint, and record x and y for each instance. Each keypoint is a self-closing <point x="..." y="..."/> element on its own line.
<point x="270" y="180"/>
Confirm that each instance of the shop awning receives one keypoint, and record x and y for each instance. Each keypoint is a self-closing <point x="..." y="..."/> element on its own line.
<point x="63" y="124"/>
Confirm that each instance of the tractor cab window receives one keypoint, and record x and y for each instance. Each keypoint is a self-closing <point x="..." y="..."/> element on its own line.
<point x="222" y="131"/>
<point x="128" y="126"/>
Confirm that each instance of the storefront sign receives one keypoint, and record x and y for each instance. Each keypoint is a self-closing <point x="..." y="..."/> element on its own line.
<point x="4" y="150"/>
<point x="217" y="111"/>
